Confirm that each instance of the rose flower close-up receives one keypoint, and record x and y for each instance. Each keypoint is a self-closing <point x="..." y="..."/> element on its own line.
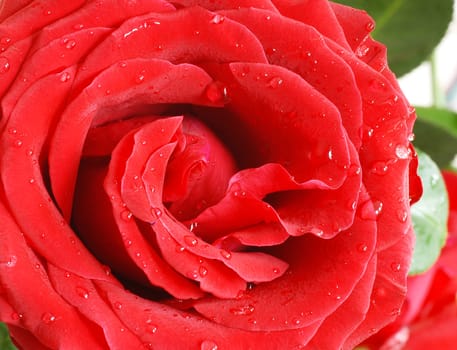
<point x="200" y="175"/>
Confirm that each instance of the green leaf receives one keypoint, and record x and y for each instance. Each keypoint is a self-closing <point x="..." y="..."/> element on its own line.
<point x="5" y="341"/>
<point x="436" y="134"/>
<point x="409" y="28"/>
<point x="429" y="216"/>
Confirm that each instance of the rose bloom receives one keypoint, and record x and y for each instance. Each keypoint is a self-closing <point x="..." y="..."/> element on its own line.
<point x="429" y="315"/>
<point x="200" y="175"/>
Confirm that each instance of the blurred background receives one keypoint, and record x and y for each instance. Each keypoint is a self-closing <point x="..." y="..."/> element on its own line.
<point x="418" y="84"/>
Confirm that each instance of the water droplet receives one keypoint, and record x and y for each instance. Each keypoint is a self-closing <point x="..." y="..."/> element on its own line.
<point x="203" y="271"/>
<point x="402" y="152"/>
<point x="276" y="270"/>
<point x="192" y="274"/>
<point x="152" y="328"/>
<point x="369" y="26"/>
<point x="47" y="12"/>
<point x="362" y="247"/>
<point x="217" y="19"/>
<point x="377" y="206"/>
<point x="48" y="318"/>
<point x="208" y="345"/>
<point x="69" y="43"/>
<point x="18" y="143"/>
<point x="16" y="316"/>
<point x="411" y="137"/>
<point x="362" y="50"/>
<point x="64" y="77"/>
<point x="225" y="254"/>
<point x="434" y="180"/>
<point x="402" y="215"/>
<point x="82" y="292"/>
<point x="243" y="310"/>
<point x="31" y="181"/>
<point x="216" y="92"/>
<point x="275" y="82"/>
<point x="139" y="78"/>
<point x="11" y="261"/>
<point x="367" y="211"/>
<point x="380" y="168"/>
<point x="117" y="305"/>
<point x="180" y="249"/>
<point x="5" y="41"/>
<point x="126" y="215"/>
<point x="190" y="240"/>
<point x="330" y="154"/>
<point x="156" y="212"/>
<point x="395" y="266"/>
<point x="4" y="65"/>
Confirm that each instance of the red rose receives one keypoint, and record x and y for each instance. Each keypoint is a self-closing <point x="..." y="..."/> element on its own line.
<point x="200" y="175"/>
<point x="429" y="314"/>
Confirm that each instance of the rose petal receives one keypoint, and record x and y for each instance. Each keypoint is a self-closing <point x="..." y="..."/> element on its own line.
<point x="213" y="5"/>
<point x="34" y="16"/>
<point x="38" y="64"/>
<point x="157" y="35"/>
<point x="300" y="48"/>
<point x="158" y="324"/>
<point x="84" y="296"/>
<point x="93" y="105"/>
<point x="356" y="24"/>
<point x="10" y="63"/>
<point x="341" y="323"/>
<point x="9" y="7"/>
<point x="389" y="288"/>
<point x="23" y="182"/>
<point x="275" y="95"/>
<point x="25" y="339"/>
<point x="90" y="16"/>
<point x="303" y="295"/>
<point x="102" y="140"/>
<point x="385" y="160"/>
<point x="52" y="319"/>
<point x="317" y="13"/>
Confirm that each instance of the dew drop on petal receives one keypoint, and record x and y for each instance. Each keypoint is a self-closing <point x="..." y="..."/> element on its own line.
<point x="64" y="77"/>
<point x="377" y="206"/>
<point x="48" y="318"/>
<point x="203" y="271"/>
<point x="369" y="26"/>
<point x="275" y="82"/>
<point x="217" y="19"/>
<point x="362" y="247"/>
<point x="117" y="305"/>
<point x="4" y="65"/>
<point x="156" y="212"/>
<point x="82" y="292"/>
<point x="10" y="261"/>
<point x="395" y="266"/>
<point x="402" y="152"/>
<point x="217" y="93"/>
<point x="402" y="215"/>
<point x="190" y="240"/>
<point x="379" y="168"/>
<point x="243" y="310"/>
<point x="225" y="254"/>
<point x="17" y="143"/>
<point x="208" y="345"/>
<point x="126" y="215"/>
